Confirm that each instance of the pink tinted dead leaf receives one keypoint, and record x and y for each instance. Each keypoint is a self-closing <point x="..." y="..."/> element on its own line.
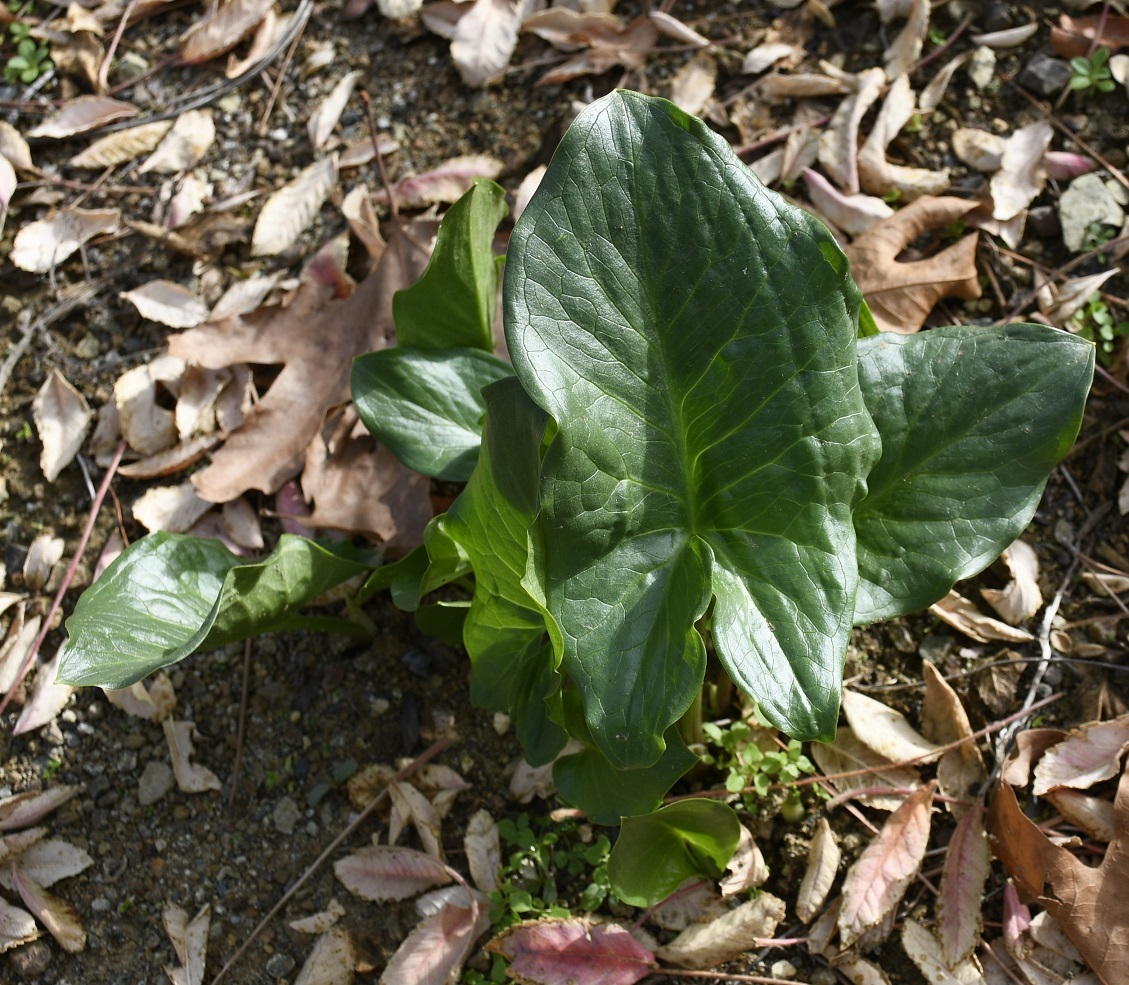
<point x="289" y="505"/>
<point x="325" y="117"/>
<point x="838" y="146"/>
<point x="483" y="851"/>
<point x="819" y="876"/>
<point x="242" y="524"/>
<point x="1021" y="598"/>
<point x="24" y="809"/>
<point x="188" y="201"/>
<point x="221" y="30"/>
<point x="387" y="872"/>
<point x="244" y="296"/>
<point x="1093" y="815"/>
<point x="16" y="926"/>
<point x="293" y="207"/>
<point x="60" y="918"/>
<point x="930" y="97"/>
<point x="331" y="962"/>
<point x="854" y="214"/>
<point x="190" y="777"/>
<point x="1088" y="755"/>
<point x="45" y="243"/>
<point x="81" y="114"/>
<point x="21" y="635"/>
<point x="876" y="882"/>
<point x="886" y="731"/>
<point x="1030" y="744"/>
<point x="925" y="951"/>
<point x="46" y="701"/>
<point x="746" y="869"/>
<point x="189" y="941"/>
<point x="62" y="417"/>
<point x="316" y="341"/>
<point x="443" y="184"/>
<point x="847" y="754"/>
<point x="905" y="49"/>
<point x="14" y="147"/>
<point x="725" y="938"/>
<point x="120" y="147"/>
<point x="963" y="615"/>
<point x="171" y="461"/>
<point x="959" y="908"/>
<point x="1021" y="176"/>
<point x="360" y="152"/>
<point x="605" y="40"/>
<point x="1066" y="165"/>
<point x="876" y="174"/>
<point x="434" y="951"/>
<point x="167" y="303"/>
<point x="153" y="702"/>
<point x="1088" y="902"/>
<point x="172" y="509"/>
<point x="185" y="145"/>
<point x="1077" y="36"/>
<point x="574" y="951"/>
<point x="412" y="805"/>
<point x="822" y="933"/>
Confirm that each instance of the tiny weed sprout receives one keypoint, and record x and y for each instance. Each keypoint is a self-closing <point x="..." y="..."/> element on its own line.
<point x="31" y="60"/>
<point x="1092" y="74"/>
<point x="700" y="468"/>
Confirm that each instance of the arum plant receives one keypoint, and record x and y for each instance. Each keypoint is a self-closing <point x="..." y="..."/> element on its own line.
<point x="699" y="446"/>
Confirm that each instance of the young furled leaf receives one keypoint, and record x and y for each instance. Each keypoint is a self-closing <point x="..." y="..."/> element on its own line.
<point x="573" y="952"/>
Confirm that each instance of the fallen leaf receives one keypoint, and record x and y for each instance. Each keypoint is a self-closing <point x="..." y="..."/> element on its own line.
<point x="847" y="754"/>
<point x="167" y="303"/>
<point x="412" y="805"/>
<point x="118" y="148"/>
<point x="62" y="417"/>
<point x="222" y="29"/>
<point x="41" y="245"/>
<point x="764" y="56"/>
<point x="81" y="114"/>
<point x="383" y="873"/>
<point x="693" y="84"/>
<point x="16" y="926"/>
<point x="877" y="175"/>
<point x="905" y="49"/>
<point x="981" y="150"/>
<point x="360" y="152"/>
<point x="959" y="907"/>
<point x="1021" y="176"/>
<point x="958" y="612"/>
<point x="154" y="702"/>
<point x="24" y="809"/>
<point x="876" y="882"/>
<point x="293" y="207"/>
<point x="44" y="553"/>
<point x="325" y="117"/>
<point x="45" y="860"/>
<point x="8" y="183"/>
<point x="529" y="184"/>
<point x="1078" y="36"/>
<point x="358" y="210"/>
<point x="189" y="941"/>
<point x="484" y="39"/>
<point x="925" y="952"/>
<point x="1088" y="755"/>
<point x="672" y="27"/>
<point x="885" y="730"/>
<point x="695" y="900"/>
<point x="746" y="869"/>
<point x="574" y="951"/>
<point x="332" y="961"/>
<point x="14" y="147"/>
<point x="1021" y="598"/>
<point x="838" y="146"/>
<point x="173" y="509"/>
<point x="1060" y="302"/>
<point x="960" y="771"/>
<point x="244" y="296"/>
<point x="725" y="938"/>
<point x="60" y="918"/>
<point x="319" y="923"/>
<point x="46" y="701"/>
<point x="854" y="214"/>
<point x="819" y="876"/>
<point x="445" y="183"/>
<point x="188" y="201"/>
<point x="902" y="294"/>
<point x="1011" y="37"/>
<point x="147" y="427"/>
<point x="483" y="851"/>
<point x="605" y="40"/>
<point x="802" y="85"/>
<point x="1094" y="815"/>
<point x="267" y="32"/>
<point x="172" y="460"/>
<point x="185" y="145"/>
<point x="13" y="651"/>
<point x="859" y="971"/>
<point x="190" y="777"/>
<point x="434" y="951"/>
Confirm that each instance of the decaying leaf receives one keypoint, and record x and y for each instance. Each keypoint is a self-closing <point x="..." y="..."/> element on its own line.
<point x="959" y="908"/>
<point x="293" y="207"/>
<point x="483" y="851"/>
<point x="319" y="923"/>
<point x="484" y="38"/>
<point x="1021" y="176"/>
<point x="24" y="809"/>
<point x="1021" y="598"/>
<point x="876" y="882"/>
<point x="605" y="41"/>
<point x="62" y="417"/>
<point x="45" y="860"/>
<point x="693" y="85"/>
<point x="222" y="29"/>
<point x="962" y="614"/>
<point x="190" y="777"/>
<point x="960" y="771"/>
<point x="168" y="303"/>
<point x="1088" y="755"/>
<point x="44" y="553"/>
<point x="443" y="184"/>
<point x="848" y="755"/>
<point x="154" y="701"/>
<point x="185" y="145"/>
<point x="704" y="945"/>
<point x="925" y="952"/>
<point x="388" y="872"/>
<point x="1094" y="815"/>
<point x="45" y="243"/>
<point x="325" y="117"/>
<point x="331" y="962"/>
<point x="173" y="509"/>
<point x="838" y="146"/>
<point x="885" y="730"/>
<point x="118" y="148"/>
<point x="60" y="918"/>
<point x="901" y="295"/>
<point x="905" y="49"/>
<point x="244" y="296"/>
<point x="819" y="876"/>
<point x="694" y="901"/>
<point x="189" y="941"/>
<point x="411" y="805"/>
<point x="854" y="214"/>
<point x="16" y="926"/>
<point x="14" y="147"/>
<point x="1060" y="302"/>
<point x="747" y="869"/>
<point x="46" y="701"/>
<point x="13" y="651"/>
<point x="574" y="951"/>
<point x="877" y="175"/>
<point x="81" y="114"/>
<point x="434" y="951"/>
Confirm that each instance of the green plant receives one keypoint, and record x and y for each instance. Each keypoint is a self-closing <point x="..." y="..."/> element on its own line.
<point x="746" y="764"/>
<point x="1096" y="323"/>
<point x="1092" y="73"/>
<point x="702" y="456"/>
<point x="51" y="767"/>
<point x="32" y="58"/>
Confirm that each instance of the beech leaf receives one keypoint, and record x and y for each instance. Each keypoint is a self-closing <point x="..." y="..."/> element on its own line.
<point x="45" y="243"/>
<point x="168" y="303"/>
<point x="573" y="952"/>
<point x="81" y="114"/>
<point x="1087" y="756"/>
<point x="886" y="731"/>
<point x="484" y="39"/>
<point x="483" y="851"/>
<point x="388" y="872"/>
<point x="960" y="915"/>
<point x="16" y="926"/>
<point x="47" y="699"/>
<point x="819" y="876"/>
<point x="293" y="207"/>
<point x="118" y="148"/>
<point x="62" y="417"/>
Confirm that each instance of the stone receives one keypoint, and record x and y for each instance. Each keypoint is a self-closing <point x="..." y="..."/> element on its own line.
<point x="1085" y="206"/>
<point x="279" y="965"/>
<point x="156" y="781"/>
<point x="31" y="960"/>
<point x="1042" y="221"/>
<point x="1045" y="76"/>
<point x="285" y="816"/>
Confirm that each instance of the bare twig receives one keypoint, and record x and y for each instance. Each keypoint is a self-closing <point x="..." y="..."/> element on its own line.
<point x="264" y="122"/>
<point x="242" y="730"/>
<point x="104" y="69"/>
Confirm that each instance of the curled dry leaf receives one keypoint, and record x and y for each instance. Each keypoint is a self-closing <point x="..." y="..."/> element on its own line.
<point x="46" y="701"/>
<point x="21" y="636"/>
<point x="672" y="27"/>
<point x="153" y="703"/>
<point x="960" y="771"/>
<point x="1077" y="36"/>
<point x="905" y="49"/>
<point x="361" y="216"/>
<point x="221" y="30"/>
<point x="244" y="296"/>
<point x="331" y="962"/>
<point x="746" y="869"/>
<point x="81" y="114"/>
<point x="1088" y="755"/>
<point x="14" y="147"/>
<point x="838" y="146"/>
<point x="483" y="851"/>
<point x="24" y="809"/>
<point x="268" y="31"/>
<point x="384" y="873"/>
<point x="901" y="295"/>
<point x="878" y="176"/>
<point x="172" y="460"/>
<point x="1021" y="598"/>
<point x="965" y="873"/>
<point x="60" y="918"/>
<point x="325" y="117"/>
<point x="45" y="243"/>
<point x="876" y="882"/>
<point x="958" y="612"/>
<point x="1094" y="815"/>
<point x="445" y="183"/>
<point x="693" y="85"/>
<point x="45" y="860"/>
<point x="605" y="40"/>
<point x="319" y="923"/>
<point x="764" y="56"/>
<point x="847" y="754"/>
<point x="1021" y="176"/>
<point x="242" y="524"/>
<point x="695" y="900"/>
<point x="484" y="39"/>
<point x="118" y="148"/>
<point x="1011" y="37"/>
<point x="925" y="952"/>
<point x="190" y="777"/>
<point x="189" y="941"/>
<point x="188" y="201"/>
<point x="167" y="303"/>
<point x="184" y="145"/>
<point x="885" y="731"/>
<point x="1059" y="303"/>
<point x="16" y="926"/>
<point x="62" y="417"/>
<point x="854" y="214"/>
<point x="410" y="804"/>
<point x="819" y="876"/>
<point x="170" y="508"/>
<point x="44" y="553"/>
<point x="576" y="951"/>
<point x="293" y="207"/>
<point x="704" y="945"/>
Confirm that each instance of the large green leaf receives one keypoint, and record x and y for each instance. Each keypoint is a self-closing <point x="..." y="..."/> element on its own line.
<point x="513" y="669"/>
<point x="453" y="303"/>
<point x="972" y="422"/>
<point x="657" y="852"/>
<point x="693" y="336"/>
<point x="169" y="595"/>
<point x="426" y="406"/>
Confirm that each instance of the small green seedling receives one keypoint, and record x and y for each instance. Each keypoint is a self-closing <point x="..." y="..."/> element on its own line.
<point x="31" y="60"/>
<point x="1092" y="74"/>
<point x="1096" y="323"/>
<point x="747" y="765"/>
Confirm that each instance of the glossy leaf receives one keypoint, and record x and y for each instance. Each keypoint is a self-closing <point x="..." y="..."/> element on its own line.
<point x="972" y="422"/>
<point x="693" y="336"/>
<point x="169" y="595"/>
<point x="426" y="406"/>
<point x="453" y="303"/>
<point x="656" y="853"/>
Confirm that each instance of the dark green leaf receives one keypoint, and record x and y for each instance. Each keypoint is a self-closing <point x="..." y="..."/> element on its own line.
<point x="453" y="303"/>
<point x="693" y="336"/>
<point x="169" y="595"/>
<point x="972" y="422"/>
<point x="426" y="406"/>
<point x="656" y="853"/>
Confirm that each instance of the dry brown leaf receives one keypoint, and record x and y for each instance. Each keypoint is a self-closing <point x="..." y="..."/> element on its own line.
<point x="360" y="152"/>
<point x="81" y="114"/>
<point x="270" y="29"/>
<point x="819" y="876"/>
<point x="319" y="923"/>
<point x="385" y="873"/>
<point x="14" y="147"/>
<point x="694" y="901"/>
<point x="1060" y="302"/>
<point x="876" y="882"/>
<point x="958" y="612"/>
<point x="673" y="28"/>
<point x="764" y="56"/>
<point x="190" y="777"/>
<point x="483" y="851"/>
<point x="16" y="926"/>
<point x="293" y="207"/>
<point x="605" y="40"/>
<point x="705" y="945"/>
<point x="185" y="145"/>
<point x="325" y="117"/>
<point x="24" y="809"/>
<point x="746" y="869"/>
<point x="886" y="731"/>
<point x="445" y="183"/>
<point x="878" y="176"/>
<point x="173" y="509"/>
<point x="1021" y="176"/>
<point x="332" y="961"/>
<point x="802" y="85"/>
<point x="189" y="941"/>
<point x="45" y="243"/>
<point x="859" y="971"/>
<point x="172" y="460"/>
<point x="146" y="426"/>
<point x="838" y="146"/>
<point x="44" y="553"/>
<point x="693" y="85"/>
<point x="902" y="294"/>
<point x="242" y="524"/>
<point x="21" y="635"/>
<point x="1077" y="36"/>
<point x="960" y="904"/>
<point x="316" y="341"/>
<point x="960" y="771"/>
<point x="529" y="184"/>
<point x="1086" y="756"/>
<point x="1021" y="598"/>
<point x="1094" y="815"/>
<point x="484" y="39"/>
<point x="189" y="200"/>
<point x="118" y="148"/>
<point x="847" y="754"/>
<point x="411" y="805"/>
<point x="46" y="701"/>
<point x="906" y="47"/>
<point x="60" y="918"/>
<point x="221" y="30"/>
<point x="244" y="296"/>
<point x="1088" y="902"/>
<point x="62" y="417"/>
<point x="359" y="212"/>
<point x="8" y="183"/>
<point x="167" y="303"/>
<point x="153" y="703"/>
<point x="925" y="952"/>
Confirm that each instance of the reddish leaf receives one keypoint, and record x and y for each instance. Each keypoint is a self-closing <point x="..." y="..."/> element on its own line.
<point x="222" y="30"/>
<point x="573" y="952"/>
<point x="1087" y="756"/>
<point x="433" y="953"/>
<point x="959" y="913"/>
<point x="387" y="872"/>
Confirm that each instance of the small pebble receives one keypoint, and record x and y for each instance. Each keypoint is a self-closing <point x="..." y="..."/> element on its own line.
<point x="783" y="969"/>
<point x="31" y="960"/>
<point x="501" y="722"/>
<point x="156" y="781"/>
<point x="279" y="965"/>
<point x="1045" y="76"/>
<point x="286" y="815"/>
